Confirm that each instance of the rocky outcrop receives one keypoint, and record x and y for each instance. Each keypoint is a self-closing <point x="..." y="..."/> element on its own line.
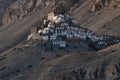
<point x="99" y="4"/>
<point x="19" y="9"/>
<point x="111" y="72"/>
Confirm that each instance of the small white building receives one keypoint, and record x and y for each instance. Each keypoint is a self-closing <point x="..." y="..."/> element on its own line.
<point x="46" y="38"/>
<point x="60" y="15"/>
<point x="51" y="25"/>
<point x="74" y="21"/>
<point x="40" y="31"/>
<point x="45" y="22"/>
<point x="58" y="20"/>
<point x="44" y="32"/>
<point x="53" y="37"/>
<point x="59" y="43"/>
<point x="65" y="24"/>
<point x="70" y="36"/>
<point x="102" y="43"/>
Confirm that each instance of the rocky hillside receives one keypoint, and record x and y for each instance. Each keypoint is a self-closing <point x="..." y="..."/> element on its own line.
<point x="17" y="10"/>
<point x="100" y="4"/>
<point x="29" y="60"/>
<point x="103" y="20"/>
<point x="93" y="14"/>
<point x="20" y="9"/>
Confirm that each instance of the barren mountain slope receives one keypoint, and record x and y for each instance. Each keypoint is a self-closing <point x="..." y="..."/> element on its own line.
<point x="28" y="56"/>
<point x="22" y="63"/>
<point x="20" y="9"/>
<point x="105" y="20"/>
<point x="29" y="61"/>
<point x="113" y="48"/>
<point x="100" y="66"/>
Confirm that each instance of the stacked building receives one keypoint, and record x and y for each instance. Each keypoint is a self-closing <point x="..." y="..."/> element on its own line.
<point x="58" y="28"/>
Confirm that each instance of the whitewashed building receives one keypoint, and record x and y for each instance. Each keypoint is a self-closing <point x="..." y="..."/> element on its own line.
<point x="58" y="26"/>
<point x="63" y="29"/>
<point x="59" y="43"/>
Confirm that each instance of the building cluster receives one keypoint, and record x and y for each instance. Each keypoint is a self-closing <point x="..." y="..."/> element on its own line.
<point x="59" y="28"/>
<point x="62" y="27"/>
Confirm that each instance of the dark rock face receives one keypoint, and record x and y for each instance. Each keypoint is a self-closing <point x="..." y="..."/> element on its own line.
<point x="70" y="2"/>
<point x="99" y="4"/>
<point x="19" y="10"/>
<point x="111" y="72"/>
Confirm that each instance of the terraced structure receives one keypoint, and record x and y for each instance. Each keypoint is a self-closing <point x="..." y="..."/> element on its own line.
<point x="38" y="59"/>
